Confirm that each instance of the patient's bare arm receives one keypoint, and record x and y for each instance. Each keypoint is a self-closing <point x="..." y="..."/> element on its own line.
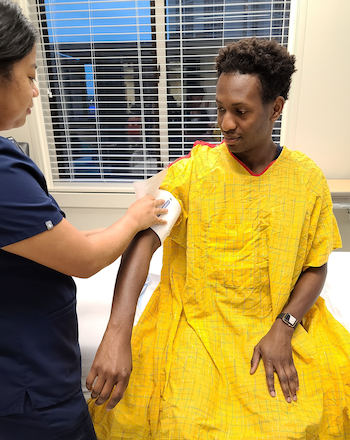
<point x="113" y="361"/>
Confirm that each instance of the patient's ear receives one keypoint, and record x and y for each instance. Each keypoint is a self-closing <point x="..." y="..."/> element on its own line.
<point x="277" y="108"/>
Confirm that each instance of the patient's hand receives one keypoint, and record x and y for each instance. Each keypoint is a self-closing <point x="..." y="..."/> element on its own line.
<point x="111" y="367"/>
<point x="275" y="349"/>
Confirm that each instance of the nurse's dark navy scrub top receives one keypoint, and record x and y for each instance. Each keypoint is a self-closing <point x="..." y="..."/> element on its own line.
<point x="39" y="351"/>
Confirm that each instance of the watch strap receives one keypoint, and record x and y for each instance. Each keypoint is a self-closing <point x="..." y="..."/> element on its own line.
<point x="288" y="319"/>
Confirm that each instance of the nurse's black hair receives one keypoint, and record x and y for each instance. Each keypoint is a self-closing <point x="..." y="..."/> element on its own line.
<point x="266" y="59"/>
<point x="17" y="37"/>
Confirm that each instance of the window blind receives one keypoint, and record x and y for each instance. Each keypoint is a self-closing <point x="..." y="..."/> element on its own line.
<point x="127" y="86"/>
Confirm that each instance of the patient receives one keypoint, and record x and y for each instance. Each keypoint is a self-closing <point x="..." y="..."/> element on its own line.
<point x="235" y="343"/>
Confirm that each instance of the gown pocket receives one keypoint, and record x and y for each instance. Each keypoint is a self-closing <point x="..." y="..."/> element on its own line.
<point x="238" y="265"/>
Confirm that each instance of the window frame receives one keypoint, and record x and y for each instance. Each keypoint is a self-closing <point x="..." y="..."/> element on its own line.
<point x="36" y="129"/>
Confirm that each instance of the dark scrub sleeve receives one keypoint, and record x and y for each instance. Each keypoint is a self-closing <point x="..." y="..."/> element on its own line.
<point x="26" y="209"/>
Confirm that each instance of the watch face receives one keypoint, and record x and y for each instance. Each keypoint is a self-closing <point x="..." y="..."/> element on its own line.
<point x="289" y="318"/>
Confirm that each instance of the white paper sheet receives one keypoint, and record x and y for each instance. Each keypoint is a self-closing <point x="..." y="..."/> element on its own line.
<point x="150" y="186"/>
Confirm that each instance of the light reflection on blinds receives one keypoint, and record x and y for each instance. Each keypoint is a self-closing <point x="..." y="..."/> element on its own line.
<point x="130" y="85"/>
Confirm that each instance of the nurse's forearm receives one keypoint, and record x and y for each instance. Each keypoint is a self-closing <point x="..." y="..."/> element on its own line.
<point x="93" y="231"/>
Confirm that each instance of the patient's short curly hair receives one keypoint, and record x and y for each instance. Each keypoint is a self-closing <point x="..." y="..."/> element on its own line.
<point x="267" y="59"/>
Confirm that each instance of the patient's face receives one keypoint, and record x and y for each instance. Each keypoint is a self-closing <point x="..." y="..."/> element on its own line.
<point x="244" y="120"/>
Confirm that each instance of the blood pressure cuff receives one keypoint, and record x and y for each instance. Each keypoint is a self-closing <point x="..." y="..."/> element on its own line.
<point x="174" y="211"/>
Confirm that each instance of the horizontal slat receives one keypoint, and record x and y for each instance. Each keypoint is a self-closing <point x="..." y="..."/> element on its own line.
<point x="236" y="4"/>
<point x="210" y="17"/>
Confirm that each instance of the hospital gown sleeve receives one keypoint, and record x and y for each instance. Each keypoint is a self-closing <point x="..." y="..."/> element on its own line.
<point x="323" y="234"/>
<point x="178" y="183"/>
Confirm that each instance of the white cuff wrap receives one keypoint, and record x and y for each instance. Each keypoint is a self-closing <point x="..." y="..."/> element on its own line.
<point x="174" y="210"/>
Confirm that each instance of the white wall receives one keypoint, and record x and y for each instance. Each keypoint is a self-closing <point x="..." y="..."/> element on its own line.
<point x="315" y="119"/>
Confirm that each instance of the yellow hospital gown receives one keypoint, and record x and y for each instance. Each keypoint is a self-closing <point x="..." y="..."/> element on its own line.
<point x="229" y="267"/>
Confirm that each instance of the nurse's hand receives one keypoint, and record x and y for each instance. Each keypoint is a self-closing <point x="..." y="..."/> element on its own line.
<point x="146" y="212"/>
<point x="275" y="349"/>
<point x="111" y="368"/>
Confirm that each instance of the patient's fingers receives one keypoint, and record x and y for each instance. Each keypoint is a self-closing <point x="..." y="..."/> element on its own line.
<point x="99" y="385"/>
<point x="117" y="394"/>
<point x="105" y="393"/>
<point x="91" y="378"/>
<point x="103" y="388"/>
<point x="112" y="366"/>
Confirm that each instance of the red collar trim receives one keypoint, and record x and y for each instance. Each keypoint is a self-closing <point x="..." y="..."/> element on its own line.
<point x="249" y="170"/>
<point x="207" y="144"/>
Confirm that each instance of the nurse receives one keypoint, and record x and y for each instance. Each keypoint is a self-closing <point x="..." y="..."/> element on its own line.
<point x="40" y="251"/>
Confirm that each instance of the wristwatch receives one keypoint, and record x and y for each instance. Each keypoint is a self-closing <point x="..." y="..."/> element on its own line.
<point x="288" y="319"/>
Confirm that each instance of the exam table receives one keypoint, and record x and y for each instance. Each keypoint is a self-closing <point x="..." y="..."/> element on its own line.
<point x="94" y="297"/>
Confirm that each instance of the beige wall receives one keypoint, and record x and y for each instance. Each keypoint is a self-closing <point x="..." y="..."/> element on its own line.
<point x="315" y="120"/>
<point x="90" y="211"/>
<point x="318" y="115"/>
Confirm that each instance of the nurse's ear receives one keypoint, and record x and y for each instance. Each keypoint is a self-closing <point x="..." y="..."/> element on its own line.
<point x="277" y="108"/>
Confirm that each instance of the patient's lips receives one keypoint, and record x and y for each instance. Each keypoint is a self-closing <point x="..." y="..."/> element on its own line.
<point x="231" y="138"/>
